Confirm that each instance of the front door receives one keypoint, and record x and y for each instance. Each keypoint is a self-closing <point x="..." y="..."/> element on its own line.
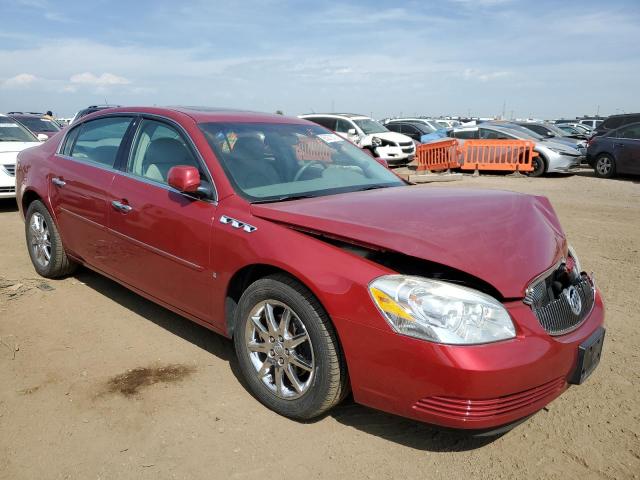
<point x="627" y="149"/>
<point x="162" y="237"/>
<point x="81" y="177"/>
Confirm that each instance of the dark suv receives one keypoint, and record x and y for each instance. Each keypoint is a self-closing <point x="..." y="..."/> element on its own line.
<point x="616" y="151"/>
<point x="617" y="121"/>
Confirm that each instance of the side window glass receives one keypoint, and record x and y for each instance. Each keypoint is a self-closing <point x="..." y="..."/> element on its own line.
<point x="343" y="126"/>
<point x="98" y="140"/>
<point x="394" y="127"/>
<point x="631" y="132"/>
<point x="69" y="140"/>
<point x="326" y="122"/>
<point x="158" y="147"/>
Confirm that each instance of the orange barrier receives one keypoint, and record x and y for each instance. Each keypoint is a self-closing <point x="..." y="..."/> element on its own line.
<point x="511" y="155"/>
<point x="440" y="155"/>
<point x="307" y="150"/>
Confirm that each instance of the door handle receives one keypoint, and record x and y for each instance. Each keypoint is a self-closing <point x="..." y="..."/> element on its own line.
<point x="123" y="207"/>
<point x="58" y="182"/>
<point x="621" y="145"/>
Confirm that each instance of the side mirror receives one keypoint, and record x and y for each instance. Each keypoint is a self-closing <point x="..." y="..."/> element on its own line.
<point x="352" y="131"/>
<point x="184" y="178"/>
<point x="42" y="137"/>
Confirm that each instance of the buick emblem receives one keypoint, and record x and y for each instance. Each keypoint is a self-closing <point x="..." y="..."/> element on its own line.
<point x="573" y="299"/>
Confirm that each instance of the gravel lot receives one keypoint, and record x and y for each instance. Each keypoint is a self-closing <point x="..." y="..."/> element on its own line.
<point x="96" y="382"/>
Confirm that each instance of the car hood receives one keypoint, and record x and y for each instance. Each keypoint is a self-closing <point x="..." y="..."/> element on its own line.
<point x="392" y="137"/>
<point x="503" y="238"/>
<point x="561" y="147"/>
<point x="16" y="146"/>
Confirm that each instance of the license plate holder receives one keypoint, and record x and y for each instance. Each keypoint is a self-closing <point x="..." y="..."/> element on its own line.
<point x="589" y="353"/>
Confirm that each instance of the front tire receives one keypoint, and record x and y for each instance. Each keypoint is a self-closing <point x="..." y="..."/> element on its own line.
<point x="44" y="243"/>
<point x="539" y="166"/>
<point x="287" y="349"/>
<point x="605" y="166"/>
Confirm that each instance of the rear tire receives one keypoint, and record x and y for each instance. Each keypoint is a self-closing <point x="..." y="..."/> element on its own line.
<point x="298" y="380"/>
<point x="604" y="166"/>
<point x="44" y="243"/>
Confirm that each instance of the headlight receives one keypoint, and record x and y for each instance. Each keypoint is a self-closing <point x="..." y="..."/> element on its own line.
<point x="440" y="311"/>
<point x="572" y="254"/>
<point x="376" y="142"/>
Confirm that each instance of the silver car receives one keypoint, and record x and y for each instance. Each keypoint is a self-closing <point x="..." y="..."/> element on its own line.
<point x="553" y="157"/>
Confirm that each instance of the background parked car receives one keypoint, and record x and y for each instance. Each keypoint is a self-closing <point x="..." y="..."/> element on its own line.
<point x="575" y="130"/>
<point x="592" y="122"/>
<point x="424" y="121"/>
<point x="550" y="131"/>
<point x="13" y="139"/>
<point x="38" y="124"/>
<point x="393" y="147"/>
<point x="552" y="157"/>
<point x="617" y="121"/>
<point x="615" y="152"/>
<point x="413" y="130"/>
<point x="88" y="110"/>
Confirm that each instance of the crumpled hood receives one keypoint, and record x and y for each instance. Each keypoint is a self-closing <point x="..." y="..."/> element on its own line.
<point x="503" y="238"/>
<point x="392" y="137"/>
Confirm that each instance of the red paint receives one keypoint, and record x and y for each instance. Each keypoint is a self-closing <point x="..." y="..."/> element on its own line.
<point x="184" y="178"/>
<point x="169" y="246"/>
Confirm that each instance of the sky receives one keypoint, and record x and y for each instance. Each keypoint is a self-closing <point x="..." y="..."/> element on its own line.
<point x="526" y="58"/>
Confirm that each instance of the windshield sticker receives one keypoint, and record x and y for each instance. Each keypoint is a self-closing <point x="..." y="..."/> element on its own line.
<point x="330" y="137"/>
<point x="9" y="125"/>
<point x="313" y="150"/>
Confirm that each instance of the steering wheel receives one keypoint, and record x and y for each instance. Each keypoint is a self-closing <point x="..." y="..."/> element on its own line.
<point x="305" y="167"/>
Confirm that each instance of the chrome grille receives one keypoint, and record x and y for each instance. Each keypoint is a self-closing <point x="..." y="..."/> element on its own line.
<point x="553" y="310"/>
<point x="10" y="169"/>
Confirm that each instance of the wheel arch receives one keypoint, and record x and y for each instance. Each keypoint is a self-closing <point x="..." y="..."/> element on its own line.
<point x="28" y="197"/>
<point x="244" y="277"/>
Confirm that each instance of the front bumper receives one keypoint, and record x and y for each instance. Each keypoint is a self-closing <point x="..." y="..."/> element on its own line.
<point x="465" y="387"/>
<point x="7" y="184"/>
<point x="559" y="163"/>
<point x="396" y="155"/>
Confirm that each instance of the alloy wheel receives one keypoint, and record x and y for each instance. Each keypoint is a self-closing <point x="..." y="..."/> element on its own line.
<point x="280" y="349"/>
<point x="40" y="239"/>
<point x="604" y="166"/>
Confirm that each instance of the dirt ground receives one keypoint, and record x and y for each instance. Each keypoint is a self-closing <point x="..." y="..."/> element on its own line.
<point x="96" y="382"/>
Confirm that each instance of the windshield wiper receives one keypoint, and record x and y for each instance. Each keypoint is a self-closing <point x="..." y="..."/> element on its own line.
<point x="284" y="198"/>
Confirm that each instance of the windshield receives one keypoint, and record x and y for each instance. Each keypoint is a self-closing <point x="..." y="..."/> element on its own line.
<point x="274" y="162"/>
<point x="423" y="127"/>
<point x="39" y="125"/>
<point x="10" y="131"/>
<point x="369" y="126"/>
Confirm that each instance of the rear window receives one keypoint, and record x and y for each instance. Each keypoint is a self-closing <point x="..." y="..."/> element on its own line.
<point x="98" y="140"/>
<point x="39" y="125"/>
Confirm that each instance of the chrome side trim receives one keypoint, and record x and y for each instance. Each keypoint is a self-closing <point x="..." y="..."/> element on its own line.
<point x="237" y="224"/>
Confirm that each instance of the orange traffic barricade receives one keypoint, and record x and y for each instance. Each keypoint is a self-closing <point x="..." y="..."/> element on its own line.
<point x="312" y="149"/>
<point x="510" y="155"/>
<point x="440" y="155"/>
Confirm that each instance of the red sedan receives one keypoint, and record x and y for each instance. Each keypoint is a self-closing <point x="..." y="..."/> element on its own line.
<point x="463" y="308"/>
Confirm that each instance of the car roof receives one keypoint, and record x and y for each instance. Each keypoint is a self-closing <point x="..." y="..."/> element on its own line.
<point x="204" y="114"/>
<point x="346" y="115"/>
<point x="23" y="114"/>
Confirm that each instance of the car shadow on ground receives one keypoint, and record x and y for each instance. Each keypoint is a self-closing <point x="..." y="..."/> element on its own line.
<point x="8" y="205"/>
<point x="395" y="429"/>
<point x="618" y="178"/>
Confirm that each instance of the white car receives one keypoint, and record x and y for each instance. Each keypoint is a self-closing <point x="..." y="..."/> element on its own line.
<point x="395" y="148"/>
<point x="13" y="139"/>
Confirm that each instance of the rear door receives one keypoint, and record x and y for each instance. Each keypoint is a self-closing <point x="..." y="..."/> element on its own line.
<point x="627" y="149"/>
<point x="81" y="176"/>
<point x="162" y="236"/>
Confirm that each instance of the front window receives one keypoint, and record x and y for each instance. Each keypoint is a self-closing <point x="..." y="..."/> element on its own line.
<point x="369" y="126"/>
<point x="39" y="125"/>
<point x="11" y="131"/>
<point x="274" y="162"/>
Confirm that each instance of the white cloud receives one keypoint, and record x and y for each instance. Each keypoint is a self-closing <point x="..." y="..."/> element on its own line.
<point x="472" y="74"/>
<point x="20" y="80"/>
<point x="106" y="79"/>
